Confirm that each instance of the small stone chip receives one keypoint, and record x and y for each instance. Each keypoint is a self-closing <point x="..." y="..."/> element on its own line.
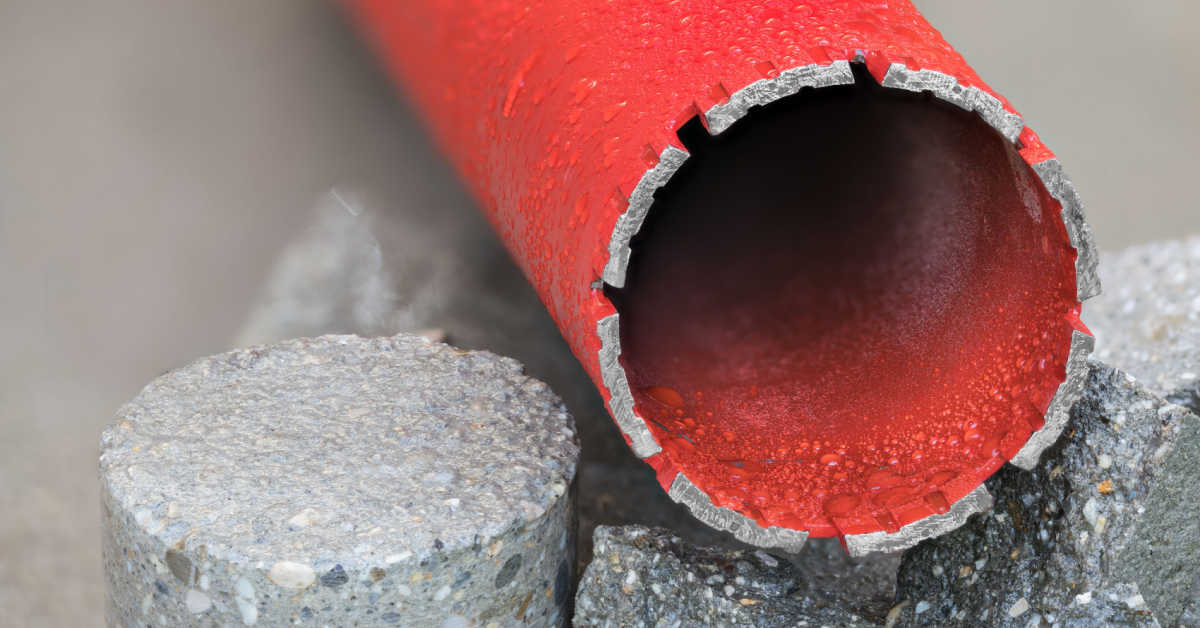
<point x="197" y="602"/>
<point x="180" y="565"/>
<point x="631" y="579"/>
<point x="289" y="575"/>
<point x="1018" y="608"/>
<point x="335" y="577"/>
<point x="893" y="615"/>
<point x="1105" y="487"/>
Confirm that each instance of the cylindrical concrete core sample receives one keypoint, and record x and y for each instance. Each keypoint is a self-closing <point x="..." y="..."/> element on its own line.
<point x="340" y="481"/>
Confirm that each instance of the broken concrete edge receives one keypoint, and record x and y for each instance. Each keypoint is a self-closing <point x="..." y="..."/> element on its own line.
<point x="722" y="116"/>
<point x="643" y="576"/>
<point x="1106" y="527"/>
<point x="1176" y="500"/>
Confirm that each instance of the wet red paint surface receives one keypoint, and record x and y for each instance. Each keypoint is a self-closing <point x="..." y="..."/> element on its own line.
<point x="552" y="111"/>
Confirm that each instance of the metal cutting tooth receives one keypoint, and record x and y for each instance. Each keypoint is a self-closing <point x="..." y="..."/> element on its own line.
<point x="977" y="500"/>
<point x="721" y="117"/>
<point x="947" y="88"/>
<point x="742" y="527"/>
<point x="630" y="222"/>
<point x="621" y="397"/>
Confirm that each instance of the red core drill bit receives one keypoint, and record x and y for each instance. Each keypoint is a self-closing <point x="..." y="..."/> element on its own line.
<point x="825" y="278"/>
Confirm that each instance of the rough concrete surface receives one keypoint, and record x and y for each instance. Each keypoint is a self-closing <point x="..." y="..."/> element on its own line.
<point x="1105" y="528"/>
<point x="1147" y="322"/>
<point x="340" y="480"/>
<point x="650" y="577"/>
<point x="156" y="157"/>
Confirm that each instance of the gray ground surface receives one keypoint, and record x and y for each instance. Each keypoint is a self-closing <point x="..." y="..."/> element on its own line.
<point x="155" y="157"/>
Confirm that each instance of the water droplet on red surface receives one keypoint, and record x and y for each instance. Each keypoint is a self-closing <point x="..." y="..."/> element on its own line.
<point x="883" y="478"/>
<point x="941" y="477"/>
<point x="887" y="521"/>
<point x="937" y="501"/>
<point x="665" y="396"/>
<point x="831" y="460"/>
<point x="581" y="90"/>
<point x="515" y="85"/>
<point x="612" y="111"/>
<point x="893" y="496"/>
<point x="842" y="505"/>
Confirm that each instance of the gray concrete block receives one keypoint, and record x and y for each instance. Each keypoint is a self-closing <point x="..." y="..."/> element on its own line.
<point x="1105" y="529"/>
<point x="340" y="481"/>
<point x="650" y="577"/>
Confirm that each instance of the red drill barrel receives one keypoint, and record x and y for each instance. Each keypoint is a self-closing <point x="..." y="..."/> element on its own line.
<point x="824" y="277"/>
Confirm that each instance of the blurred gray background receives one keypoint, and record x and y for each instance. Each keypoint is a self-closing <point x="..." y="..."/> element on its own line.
<point x="155" y="158"/>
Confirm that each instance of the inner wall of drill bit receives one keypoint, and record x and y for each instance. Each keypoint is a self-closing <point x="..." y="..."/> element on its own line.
<point x="848" y="233"/>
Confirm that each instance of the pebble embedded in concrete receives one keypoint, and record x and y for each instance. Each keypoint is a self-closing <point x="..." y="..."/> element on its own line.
<point x="343" y="481"/>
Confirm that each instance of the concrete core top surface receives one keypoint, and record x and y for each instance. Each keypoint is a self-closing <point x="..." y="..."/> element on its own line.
<point x="339" y="448"/>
